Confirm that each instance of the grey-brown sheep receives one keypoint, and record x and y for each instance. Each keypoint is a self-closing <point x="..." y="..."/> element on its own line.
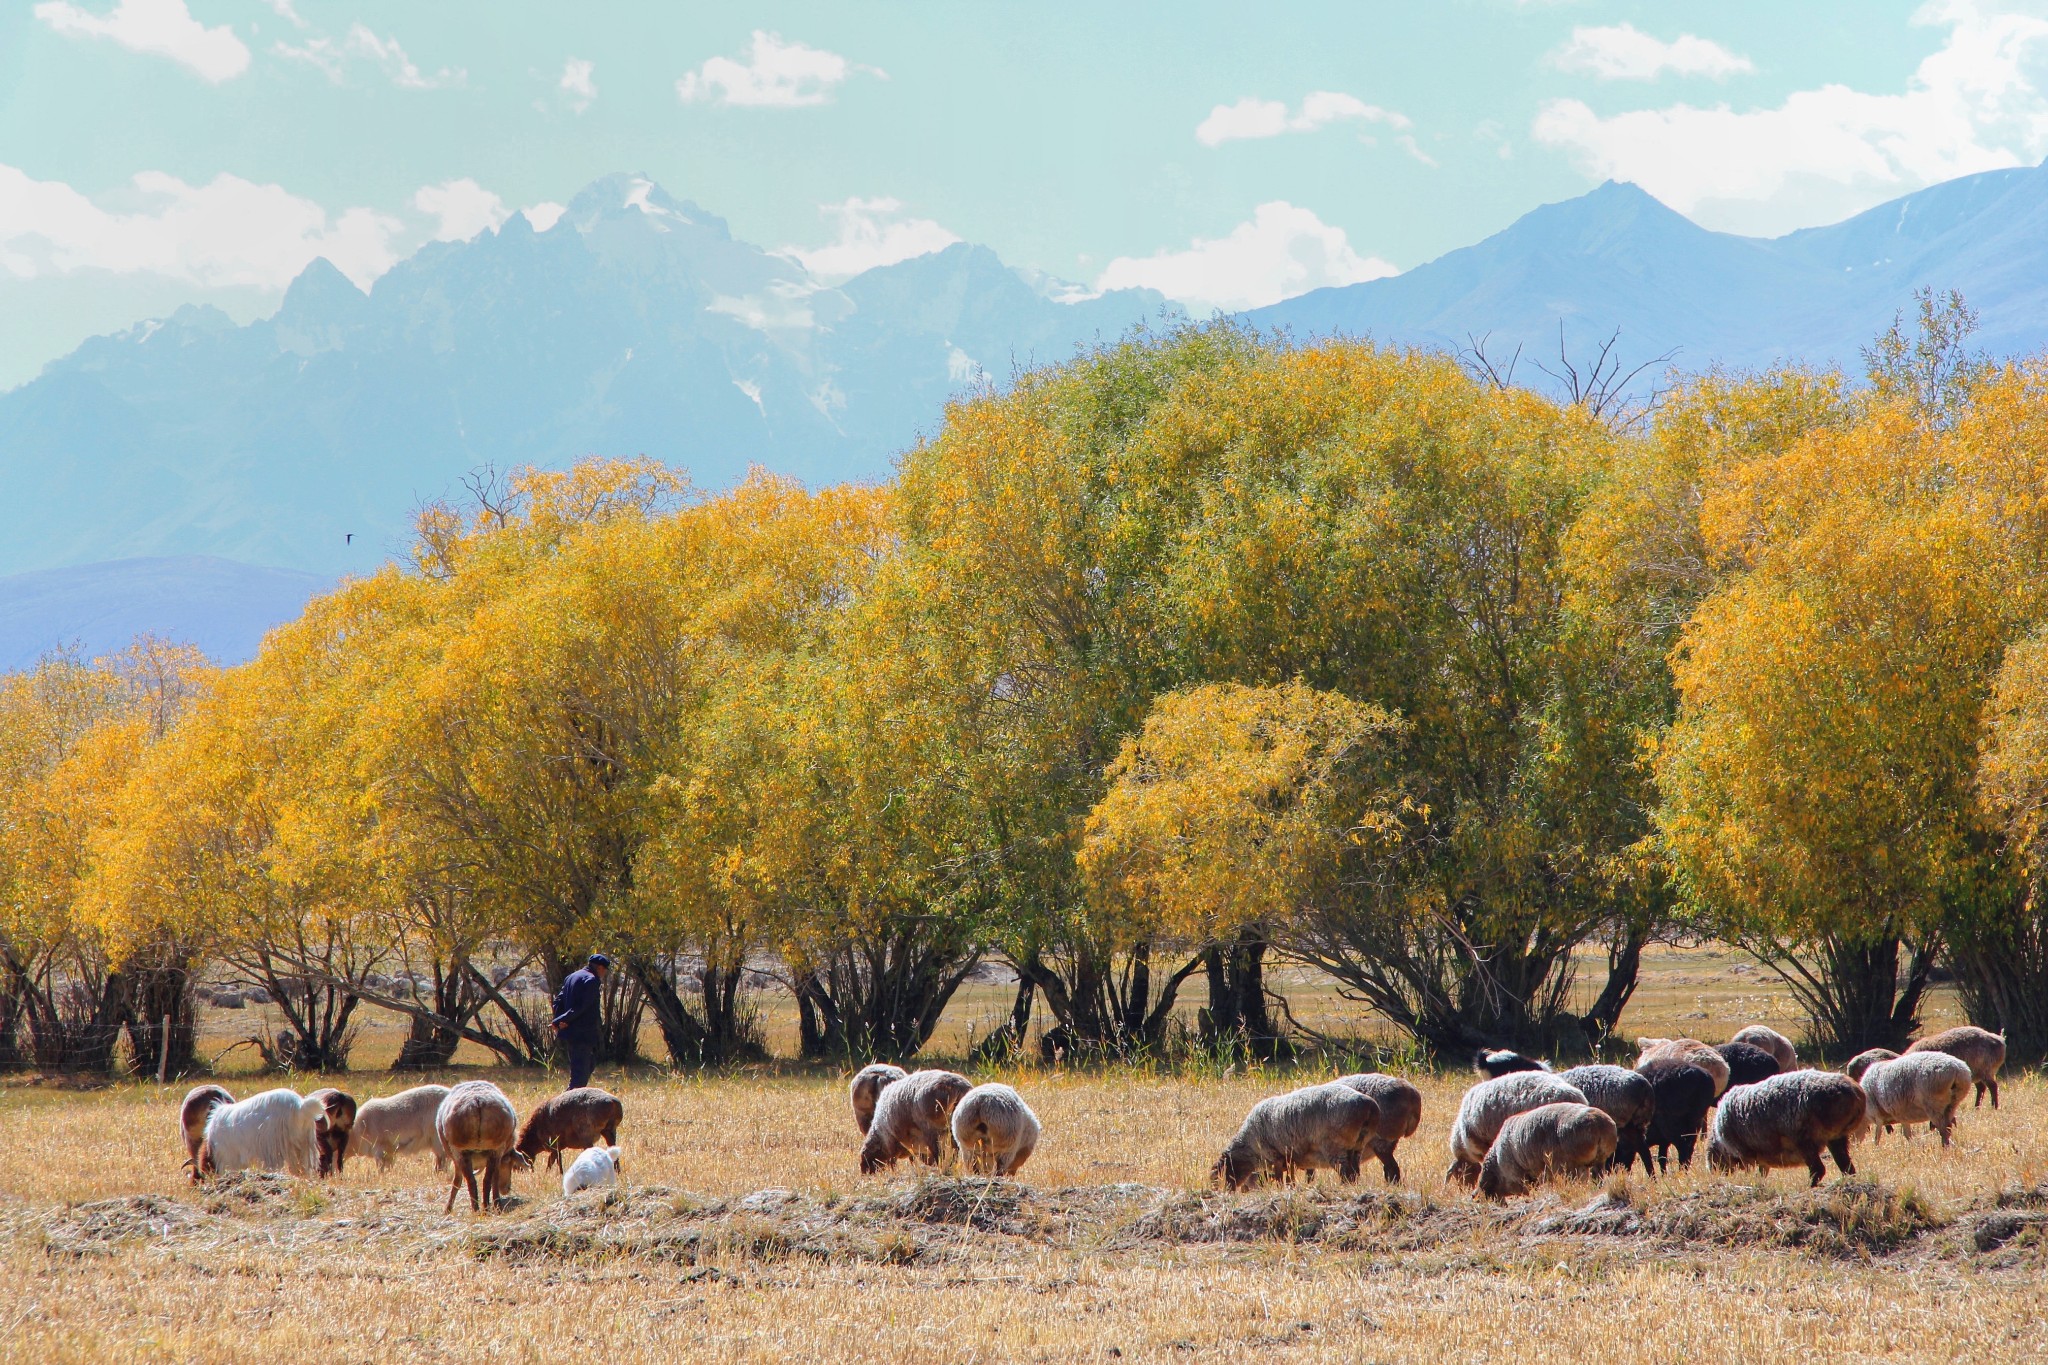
<point x="1556" y="1139"/>
<point x="1984" y="1051"/>
<point x="1400" y="1115"/>
<point x="1747" y="1063"/>
<point x="913" y="1118"/>
<point x="1863" y="1061"/>
<point x="399" y="1125"/>
<point x="1920" y="1087"/>
<point x="1788" y="1120"/>
<point x="199" y="1102"/>
<point x="1489" y="1104"/>
<point x="1625" y="1096"/>
<point x="867" y="1086"/>
<point x="1701" y="1055"/>
<point x="994" y="1130"/>
<point x="1318" y="1127"/>
<point x="574" y="1119"/>
<point x="338" y="1120"/>
<point x="1771" y="1041"/>
<point x="1684" y="1093"/>
<point x="476" y="1120"/>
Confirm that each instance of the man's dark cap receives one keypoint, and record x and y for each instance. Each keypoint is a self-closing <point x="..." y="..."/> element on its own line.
<point x="598" y="960"/>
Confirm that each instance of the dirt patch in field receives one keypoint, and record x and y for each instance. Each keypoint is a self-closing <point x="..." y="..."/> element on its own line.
<point x="947" y="1219"/>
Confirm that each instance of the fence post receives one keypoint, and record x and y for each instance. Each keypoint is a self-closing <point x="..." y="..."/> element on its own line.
<point x="163" y="1052"/>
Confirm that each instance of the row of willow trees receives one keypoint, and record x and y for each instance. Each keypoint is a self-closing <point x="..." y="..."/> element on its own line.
<point x="1201" y="653"/>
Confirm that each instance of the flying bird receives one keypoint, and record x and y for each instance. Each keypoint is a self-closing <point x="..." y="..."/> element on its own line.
<point x="348" y="538"/>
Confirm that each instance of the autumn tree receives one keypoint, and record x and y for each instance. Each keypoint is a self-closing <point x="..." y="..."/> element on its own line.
<point x="75" y="733"/>
<point x="1235" y="813"/>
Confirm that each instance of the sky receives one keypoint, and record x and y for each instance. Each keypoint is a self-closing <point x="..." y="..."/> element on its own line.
<point x="161" y="152"/>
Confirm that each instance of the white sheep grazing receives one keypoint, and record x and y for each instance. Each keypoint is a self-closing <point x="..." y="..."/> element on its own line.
<point x="913" y="1118"/>
<point x="1489" y="1104"/>
<point x="1555" y="1139"/>
<point x="1920" y="1087"/>
<point x="1318" y="1127"/>
<point x="278" y="1130"/>
<point x="597" y="1168"/>
<point x="994" y="1129"/>
<point x="1771" y="1041"/>
<point x="399" y="1125"/>
<point x="867" y="1087"/>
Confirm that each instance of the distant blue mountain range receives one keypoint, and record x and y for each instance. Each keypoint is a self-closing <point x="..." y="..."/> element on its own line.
<point x="637" y="324"/>
<point x="94" y="609"/>
<point x="1615" y="258"/>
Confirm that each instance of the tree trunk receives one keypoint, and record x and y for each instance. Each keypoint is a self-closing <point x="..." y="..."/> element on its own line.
<point x="1104" y="1010"/>
<point x="821" y="1035"/>
<point x="881" y="998"/>
<point x="1624" y="965"/>
<point x="2002" y="974"/>
<point x="1239" y="1019"/>
<point x="1853" y="990"/>
<point x="718" y="1030"/>
<point x="154" y="994"/>
<point x="13" y="1010"/>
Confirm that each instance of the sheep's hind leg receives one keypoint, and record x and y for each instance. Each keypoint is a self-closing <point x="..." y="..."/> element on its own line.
<point x="461" y="1165"/>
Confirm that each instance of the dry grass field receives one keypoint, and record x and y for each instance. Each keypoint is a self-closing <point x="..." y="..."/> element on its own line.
<point x="744" y="1233"/>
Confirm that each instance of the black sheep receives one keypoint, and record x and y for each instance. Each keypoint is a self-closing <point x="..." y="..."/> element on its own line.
<point x="1747" y="1063"/>
<point x="1684" y="1094"/>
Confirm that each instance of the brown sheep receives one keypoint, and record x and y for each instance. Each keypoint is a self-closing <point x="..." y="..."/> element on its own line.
<point x="1400" y="1115"/>
<point x="335" y="1126"/>
<point x="1982" y="1049"/>
<point x="1786" y="1120"/>
<point x="913" y="1117"/>
<point x="1700" y="1054"/>
<point x="199" y="1102"/>
<point x="574" y="1118"/>
<point x="867" y="1087"/>
<point x="1771" y="1041"/>
<point x="1552" y="1140"/>
<point x="476" y="1120"/>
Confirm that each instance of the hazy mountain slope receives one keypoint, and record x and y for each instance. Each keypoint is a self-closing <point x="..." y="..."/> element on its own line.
<point x="1616" y="258"/>
<point x="221" y="606"/>
<point x="636" y="324"/>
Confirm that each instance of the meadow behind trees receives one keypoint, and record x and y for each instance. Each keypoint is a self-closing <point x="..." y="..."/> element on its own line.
<point x="1199" y="657"/>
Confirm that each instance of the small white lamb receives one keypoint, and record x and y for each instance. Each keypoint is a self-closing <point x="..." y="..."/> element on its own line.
<point x="596" y="1169"/>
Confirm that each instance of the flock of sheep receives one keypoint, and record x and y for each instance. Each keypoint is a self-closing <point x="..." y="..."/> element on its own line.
<point x="471" y="1128"/>
<point x="1521" y="1125"/>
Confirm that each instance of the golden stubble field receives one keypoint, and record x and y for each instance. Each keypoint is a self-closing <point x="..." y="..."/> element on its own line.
<point x="112" y="1256"/>
<point x="744" y="1233"/>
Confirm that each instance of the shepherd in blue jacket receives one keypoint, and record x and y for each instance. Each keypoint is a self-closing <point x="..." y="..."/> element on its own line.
<point x="578" y="1007"/>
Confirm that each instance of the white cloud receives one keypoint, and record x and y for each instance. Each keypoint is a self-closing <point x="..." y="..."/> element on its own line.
<point x="1255" y="118"/>
<point x="228" y="232"/>
<point x="1623" y="52"/>
<point x="1281" y="252"/>
<point x="162" y="28"/>
<point x="870" y="233"/>
<point x="461" y="209"/>
<point x="776" y="74"/>
<point x="576" y="83"/>
<point x="545" y="214"/>
<point x="334" y="56"/>
<point x="1973" y="105"/>
<point x="285" y="11"/>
